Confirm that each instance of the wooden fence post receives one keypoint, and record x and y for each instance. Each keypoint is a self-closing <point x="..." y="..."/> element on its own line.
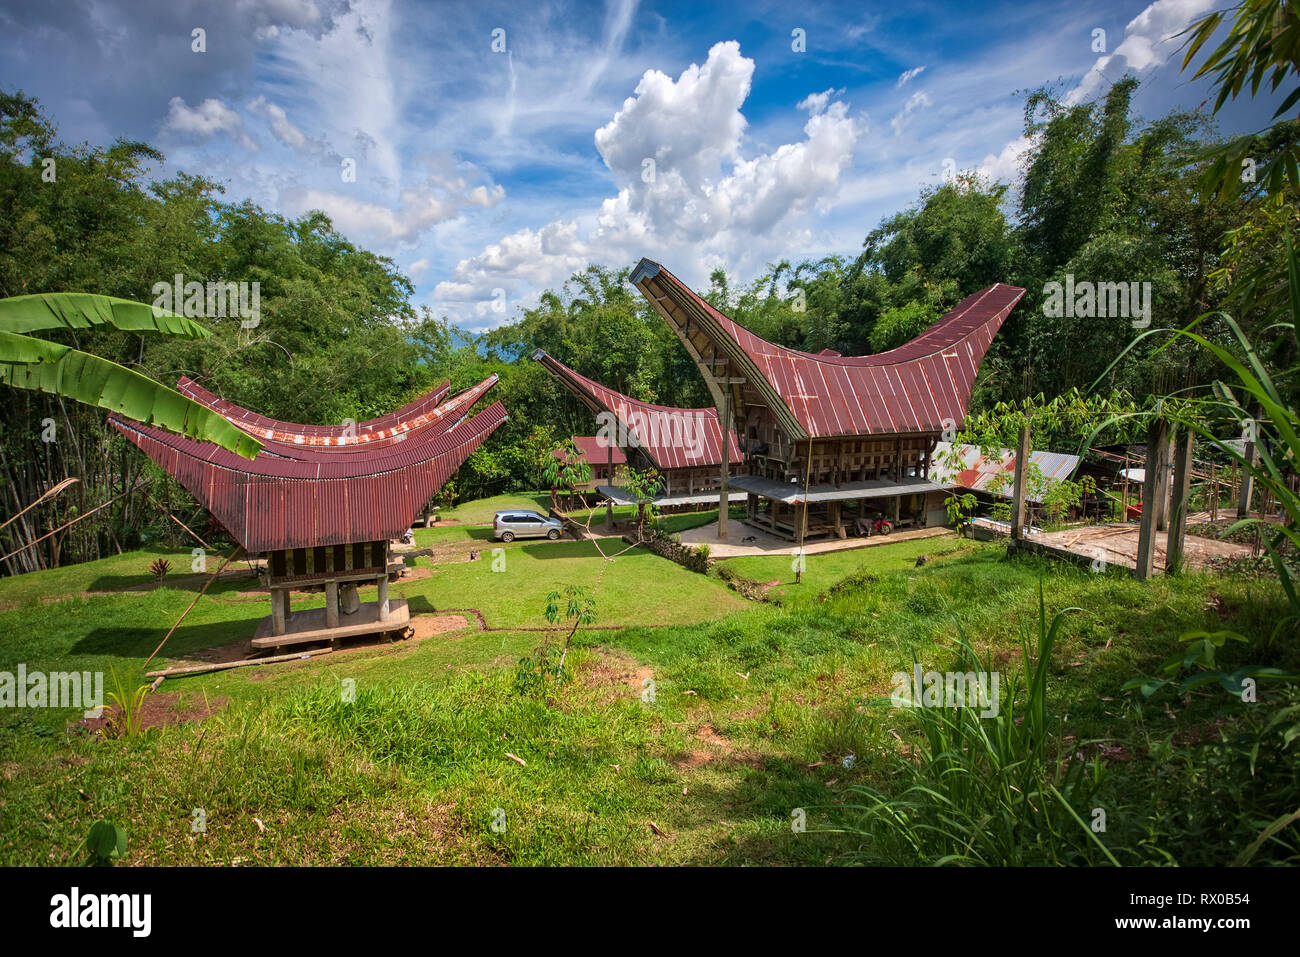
<point x="1157" y="444"/>
<point x="1178" y="498"/>
<point x="1018" y="492"/>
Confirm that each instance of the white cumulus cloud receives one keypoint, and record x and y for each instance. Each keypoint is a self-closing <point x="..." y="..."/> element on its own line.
<point x="687" y="192"/>
<point x="206" y="120"/>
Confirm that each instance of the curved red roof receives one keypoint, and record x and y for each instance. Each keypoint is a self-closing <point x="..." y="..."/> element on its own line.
<point x="332" y="495"/>
<point x="922" y="386"/>
<point x="671" y="437"/>
<point x="266" y="428"/>
<point x="442" y="418"/>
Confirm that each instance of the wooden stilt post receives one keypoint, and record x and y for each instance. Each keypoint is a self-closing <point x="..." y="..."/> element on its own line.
<point x="1018" y="492"/>
<point x="609" y="477"/>
<point x="724" y="497"/>
<point x="385" y="612"/>
<point x="277" y="611"/>
<point x="331" y="604"/>
<point x="1157" y="441"/>
<point x="1178" y="502"/>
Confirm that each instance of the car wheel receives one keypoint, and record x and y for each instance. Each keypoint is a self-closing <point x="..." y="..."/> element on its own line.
<point x="553" y="534"/>
<point x="507" y="536"/>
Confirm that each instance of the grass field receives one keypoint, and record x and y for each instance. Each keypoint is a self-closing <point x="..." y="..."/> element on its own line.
<point x="823" y="569"/>
<point x="691" y="742"/>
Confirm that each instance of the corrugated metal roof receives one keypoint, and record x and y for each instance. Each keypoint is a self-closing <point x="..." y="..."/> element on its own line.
<point x="335" y="495"/>
<point x="671" y="437"/>
<point x="442" y="418"/>
<point x="979" y="473"/>
<point x="621" y="496"/>
<point x="293" y="433"/>
<point x="792" y="493"/>
<point x="595" y="452"/>
<point x="922" y="386"/>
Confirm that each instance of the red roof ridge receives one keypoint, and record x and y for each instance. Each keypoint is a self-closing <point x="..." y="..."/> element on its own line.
<point x="248" y="419"/>
<point x="922" y="386"/>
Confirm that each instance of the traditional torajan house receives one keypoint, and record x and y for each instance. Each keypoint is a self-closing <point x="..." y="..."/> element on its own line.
<point x="322" y="502"/>
<point x="833" y="442"/>
<point x="605" y="460"/>
<point x="683" y="445"/>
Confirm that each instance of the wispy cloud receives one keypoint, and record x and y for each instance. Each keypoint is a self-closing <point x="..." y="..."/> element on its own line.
<point x="908" y="76"/>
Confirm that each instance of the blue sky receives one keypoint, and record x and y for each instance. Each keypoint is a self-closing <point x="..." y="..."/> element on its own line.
<point x="692" y="133"/>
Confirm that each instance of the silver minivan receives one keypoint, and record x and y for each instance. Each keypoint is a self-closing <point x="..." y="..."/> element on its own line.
<point x="523" y="523"/>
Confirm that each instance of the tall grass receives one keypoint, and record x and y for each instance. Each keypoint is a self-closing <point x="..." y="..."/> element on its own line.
<point x="985" y="790"/>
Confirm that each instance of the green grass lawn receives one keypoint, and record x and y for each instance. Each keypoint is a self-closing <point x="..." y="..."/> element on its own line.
<point x="717" y="727"/>
<point x="823" y="569"/>
<point x="475" y="520"/>
<point x="480" y="511"/>
<point x="637" y="586"/>
<point x="106" y="574"/>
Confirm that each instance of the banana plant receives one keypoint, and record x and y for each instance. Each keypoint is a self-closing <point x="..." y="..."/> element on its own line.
<point x="27" y="362"/>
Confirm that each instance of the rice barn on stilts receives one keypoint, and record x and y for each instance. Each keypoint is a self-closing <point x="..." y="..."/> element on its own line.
<point x="321" y="503"/>
<point x="833" y="443"/>
<point x="683" y="445"/>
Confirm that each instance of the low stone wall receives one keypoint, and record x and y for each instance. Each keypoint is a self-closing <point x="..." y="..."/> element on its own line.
<point x="687" y="556"/>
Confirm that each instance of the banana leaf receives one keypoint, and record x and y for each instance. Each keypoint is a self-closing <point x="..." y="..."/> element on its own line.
<point x="82" y="310"/>
<point x="28" y="363"/>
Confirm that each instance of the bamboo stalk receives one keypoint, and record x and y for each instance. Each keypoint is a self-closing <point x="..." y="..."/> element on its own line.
<point x="211" y="579"/>
<point x="226" y="665"/>
<point x="63" y="526"/>
<point x="55" y="490"/>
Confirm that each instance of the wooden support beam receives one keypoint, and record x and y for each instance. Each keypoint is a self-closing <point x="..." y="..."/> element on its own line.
<point x="1157" y="443"/>
<point x="331" y="604"/>
<point x="1018" y="490"/>
<point x="385" y="611"/>
<point x="1178" y="502"/>
<point x="724" y="500"/>
<point x="609" y="464"/>
<point x="278" y="610"/>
